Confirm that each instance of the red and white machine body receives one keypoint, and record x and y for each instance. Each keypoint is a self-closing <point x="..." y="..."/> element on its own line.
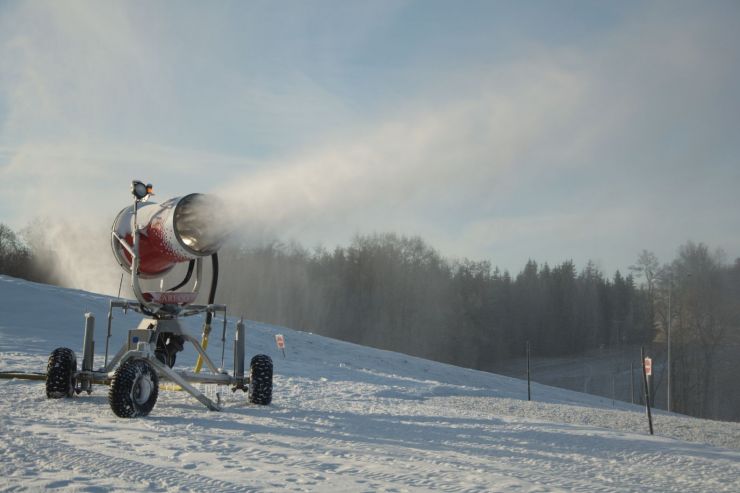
<point x="178" y="230"/>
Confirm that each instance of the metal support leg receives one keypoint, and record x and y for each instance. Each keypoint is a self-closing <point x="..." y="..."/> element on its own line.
<point x="88" y="352"/>
<point x="107" y="338"/>
<point x="175" y="377"/>
<point x="239" y="349"/>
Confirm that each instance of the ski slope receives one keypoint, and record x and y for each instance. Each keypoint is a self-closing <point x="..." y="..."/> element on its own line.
<point x="344" y="418"/>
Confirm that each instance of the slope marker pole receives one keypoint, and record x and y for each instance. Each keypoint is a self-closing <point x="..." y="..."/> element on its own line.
<point x="529" y="380"/>
<point x="647" y="390"/>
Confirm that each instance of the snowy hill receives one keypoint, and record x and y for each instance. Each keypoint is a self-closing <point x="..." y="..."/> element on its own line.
<point x="343" y="418"/>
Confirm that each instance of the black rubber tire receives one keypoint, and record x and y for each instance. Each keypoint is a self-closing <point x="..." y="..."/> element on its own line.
<point x="60" y="373"/>
<point x="260" y="380"/>
<point x="134" y="389"/>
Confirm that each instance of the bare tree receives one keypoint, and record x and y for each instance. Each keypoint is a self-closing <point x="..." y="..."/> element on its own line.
<point x="701" y="324"/>
<point x="647" y="267"/>
<point x="15" y="257"/>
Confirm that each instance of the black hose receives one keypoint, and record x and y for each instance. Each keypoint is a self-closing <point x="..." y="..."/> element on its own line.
<point x="214" y="285"/>
<point x="191" y="266"/>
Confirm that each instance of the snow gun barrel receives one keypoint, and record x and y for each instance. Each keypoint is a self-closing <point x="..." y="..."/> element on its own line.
<point x="178" y="230"/>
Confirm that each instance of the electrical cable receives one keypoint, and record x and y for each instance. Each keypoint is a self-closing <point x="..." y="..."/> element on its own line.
<point x="214" y="286"/>
<point x="191" y="266"/>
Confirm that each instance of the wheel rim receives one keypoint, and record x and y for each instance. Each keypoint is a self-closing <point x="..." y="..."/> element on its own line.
<point x="142" y="389"/>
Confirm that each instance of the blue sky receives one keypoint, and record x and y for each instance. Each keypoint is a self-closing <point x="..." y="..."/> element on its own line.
<point x="495" y="130"/>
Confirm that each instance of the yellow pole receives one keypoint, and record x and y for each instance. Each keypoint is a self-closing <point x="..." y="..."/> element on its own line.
<point x="204" y="345"/>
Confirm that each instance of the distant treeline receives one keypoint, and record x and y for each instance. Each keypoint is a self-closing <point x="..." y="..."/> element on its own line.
<point x="398" y="293"/>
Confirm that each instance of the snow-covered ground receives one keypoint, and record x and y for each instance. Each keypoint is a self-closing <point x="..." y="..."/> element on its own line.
<point x="343" y="418"/>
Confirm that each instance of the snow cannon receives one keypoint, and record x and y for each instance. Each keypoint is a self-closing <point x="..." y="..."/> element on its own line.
<point x="148" y="241"/>
<point x="178" y="230"/>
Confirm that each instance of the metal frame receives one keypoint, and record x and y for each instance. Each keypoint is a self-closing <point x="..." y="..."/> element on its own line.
<point x="141" y="343"/>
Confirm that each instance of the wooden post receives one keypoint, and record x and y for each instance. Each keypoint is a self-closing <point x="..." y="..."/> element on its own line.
<point x="614" y="389"/>
<point x="529" y="381"/>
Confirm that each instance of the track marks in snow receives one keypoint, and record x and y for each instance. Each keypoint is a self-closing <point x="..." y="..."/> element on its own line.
<point x="327" y="439"/>
<point x="109" y="472"/>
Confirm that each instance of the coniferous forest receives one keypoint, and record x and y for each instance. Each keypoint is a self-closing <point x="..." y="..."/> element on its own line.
<point x="399" y="293"/>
